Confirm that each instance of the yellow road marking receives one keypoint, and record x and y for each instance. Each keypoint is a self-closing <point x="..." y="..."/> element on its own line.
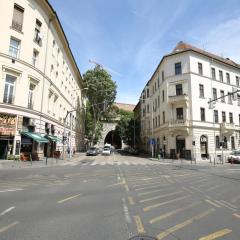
<point x="236" y="215"/>
<point x="68" y="198"/>
<point x="217" y="234"/>
<point x="161" y="196"/>
<point x="212" y="203"/>
<point x="130" y="200"/>
<point x="154" y="191"/>
<point x="184" y="224"/>
<point x="3" y="229"/>
<point x="139" y="224"/>
<point x="166" y="215"/>
<point x="158" y="185"/>
<point x="163" y="203"/>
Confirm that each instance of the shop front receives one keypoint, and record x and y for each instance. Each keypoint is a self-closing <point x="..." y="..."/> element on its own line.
<point x="7" y="134"/>
<point x="32" y="145"/>
<point x="50" y="149"/>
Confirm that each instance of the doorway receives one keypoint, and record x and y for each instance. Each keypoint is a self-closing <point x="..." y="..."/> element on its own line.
<point x="204" y="146"/>
<point x="180" y="145"/>
<point x="3" y="149"/>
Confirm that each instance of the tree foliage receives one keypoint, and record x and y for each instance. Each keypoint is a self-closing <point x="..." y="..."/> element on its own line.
<point x="100" y="93"/>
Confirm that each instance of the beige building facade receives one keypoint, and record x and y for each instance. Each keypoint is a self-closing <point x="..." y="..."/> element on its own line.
<point x="175" y="112"/>
<point x="40" y="82"/>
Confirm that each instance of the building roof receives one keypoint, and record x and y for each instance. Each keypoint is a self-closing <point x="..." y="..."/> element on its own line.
<point x="182" y="47"/>
<point x="125" y="106"/>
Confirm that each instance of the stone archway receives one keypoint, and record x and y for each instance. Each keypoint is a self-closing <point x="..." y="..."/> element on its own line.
<point x="114" y="139"/>
<point x="107" y="127"/>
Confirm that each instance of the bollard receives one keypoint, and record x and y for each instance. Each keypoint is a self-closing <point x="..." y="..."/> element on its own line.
<point x="214" y="160"/>
<point x="30" y="158"/>
<point x="210" y="159"/>
<point x="46" y="160"/>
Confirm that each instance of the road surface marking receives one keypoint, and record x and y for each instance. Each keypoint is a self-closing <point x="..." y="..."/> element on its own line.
<point x="6" y="211"/>
<point x="217" y="234"/>
<point x="3" y="229"/>
<point x="130" y="200"/>
<point x="11" y="190"/>
<point x="139" y="224"/>
<point x="214" y="187"/>
<point x="154" y="191"/>
<point x="236" y="215"/>
<point x="184" y="224"/>
<point x="126" y="187"/>
<point x="115" y="184"/>
<point x="212" y="203"/>
<point x="229" y="204"/>
<point x="225" y="205"/>
<point x="161" y="196"/>
<point x="68" y="198"/>
<point x="196" y="189"/>
<point x="146" y="184"/>
<point x="188" y="190"/>
<point x="126" y="211"/>
<point x="166" y="215"/>
<point x="159" y="185"/>
<point x="163" y="203"/>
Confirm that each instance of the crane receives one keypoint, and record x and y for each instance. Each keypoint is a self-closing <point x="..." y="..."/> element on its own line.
<point x="97" y="64"/>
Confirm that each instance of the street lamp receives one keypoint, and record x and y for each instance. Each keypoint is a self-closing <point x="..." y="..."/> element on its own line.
<point x="64" y="127"/>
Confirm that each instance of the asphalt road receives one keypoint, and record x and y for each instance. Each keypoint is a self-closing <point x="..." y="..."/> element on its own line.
<point x="117" y="197"/>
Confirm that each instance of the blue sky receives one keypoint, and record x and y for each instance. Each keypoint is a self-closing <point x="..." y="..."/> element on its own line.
<point x="129" y="37"/>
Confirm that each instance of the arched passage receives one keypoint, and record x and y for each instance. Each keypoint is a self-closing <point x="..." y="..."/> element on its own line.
<point x="114" y="139"/>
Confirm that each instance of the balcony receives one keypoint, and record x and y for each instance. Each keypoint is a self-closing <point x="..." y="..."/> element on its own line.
<point x="182" y="98"/>
<point x="178" y="125"/>
<point x="17" y="25"/>
<point x="227" y="128"/>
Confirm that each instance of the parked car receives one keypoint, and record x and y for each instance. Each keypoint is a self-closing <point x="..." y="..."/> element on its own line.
<point x="106" y="150"/>
<point x="92" y="151"/>
<point x="234" y="157"/>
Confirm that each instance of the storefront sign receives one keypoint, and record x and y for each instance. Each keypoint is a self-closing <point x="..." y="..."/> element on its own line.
<point x="7" y="124"/>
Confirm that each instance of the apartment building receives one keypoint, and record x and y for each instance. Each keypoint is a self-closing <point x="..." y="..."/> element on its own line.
<point x="175" y="112"/>
<point x="40" y="82"/>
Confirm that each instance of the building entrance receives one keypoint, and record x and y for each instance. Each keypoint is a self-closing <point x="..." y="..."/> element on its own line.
<point x="180" y="145"/>
<point x="204" y="146"/>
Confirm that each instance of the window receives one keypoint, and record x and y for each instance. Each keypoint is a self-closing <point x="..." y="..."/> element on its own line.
<point x="8" y="89"/>
<point x="179" y="113"/>
<point x="220" y="76"/>
<point x="232" y="142"/>
<point x="229" y="98"/>
<point x="162" y="95"/>
<point x="201" y="91"/>
<point x="231" y="117"/>
<point x="162" y="76"/>
<point x="158" y="120"/>
<point x="222" y="96"/>
<point x="158" y="101"/>
<point x="147" y="108"/>
<point x="237" y="81"/>
<point x="179" y="89"/>
<point x="38" y="36"/>
<point x="163" y="114"/>
<point x="14" y="48"/>
<point x="30" y="95"/>
<point x="216" y="116"/>
<point x="223" y="117"/>
<point x="155" y="85"/>
<point x="35" y="57"/>
<point x="202" y="113"/>
<point x="228" y="78"/>
<point x="238" y="99"/>
<point x="200" y="69"/>
<point x="178" y="68"/>
<point x="17" y="21"/>
<point x="239" y="119"/>
<point x="53" y="49"/>
<point x="153" y="123"/>
<point x="213" y="73"/>
<point x="217" y="142"/>
<point x="214" y="93"/>
<point x="158" y="82"/>
<point x="225" y="142"/>
<point x="147" y="92"/>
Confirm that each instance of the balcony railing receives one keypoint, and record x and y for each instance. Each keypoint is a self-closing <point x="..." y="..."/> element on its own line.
<point x="178" y="98"/>
<point x="17" y="26"/>
<point x="227" y="127"/>
<point x="178" y="123"/>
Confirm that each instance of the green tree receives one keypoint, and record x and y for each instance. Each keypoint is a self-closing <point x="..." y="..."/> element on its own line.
<point x="101" y="93"/>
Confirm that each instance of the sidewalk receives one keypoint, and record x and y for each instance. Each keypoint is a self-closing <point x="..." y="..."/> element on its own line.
<point x="188" y="162"/>
<point x="10" y="164"/>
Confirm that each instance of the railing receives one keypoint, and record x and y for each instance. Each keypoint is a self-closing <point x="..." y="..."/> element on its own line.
<point x="178" y="123"/>
<point x="227" y="126"/>
<point x="17" y="26"/>
<point x="177" y="98"/>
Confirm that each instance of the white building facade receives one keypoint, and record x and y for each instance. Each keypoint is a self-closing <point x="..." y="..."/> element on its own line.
<point x="40" y="82"/>
<point x="174" y="105"/>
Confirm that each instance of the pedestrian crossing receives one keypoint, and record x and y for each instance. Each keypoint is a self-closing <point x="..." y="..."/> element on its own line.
<point x="110" y="163"/>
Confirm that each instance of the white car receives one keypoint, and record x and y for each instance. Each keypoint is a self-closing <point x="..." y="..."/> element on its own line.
<point x="106" y="151"/>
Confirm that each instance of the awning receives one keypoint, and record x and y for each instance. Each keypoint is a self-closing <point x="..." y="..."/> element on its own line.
<point x="36" y="137"/>
<point x="53" y="138"/>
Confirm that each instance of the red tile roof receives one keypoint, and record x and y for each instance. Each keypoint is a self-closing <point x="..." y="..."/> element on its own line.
<point x="125" y="106"/>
